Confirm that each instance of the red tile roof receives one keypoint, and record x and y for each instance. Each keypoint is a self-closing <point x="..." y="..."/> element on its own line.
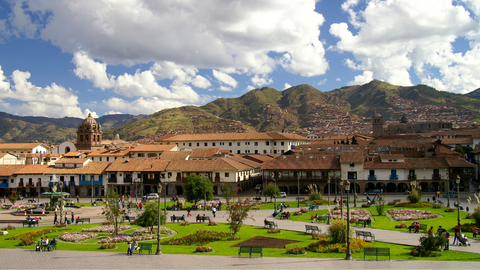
<point x="9" y="170"/>
<point x="303" y="162"/>
<point x="231" y="137"/>
<point x="204" y="152"/>
<point x="351" y="157"/>
<point x="92" y="168"/>
<point x="175" y="155"/>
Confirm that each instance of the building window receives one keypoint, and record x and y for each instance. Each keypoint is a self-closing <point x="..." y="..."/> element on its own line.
<point x="238" y="151"/>
<point x="282" y="143"/>
<point x="267" y="143"/>
<point x="274" y="151"/>
<point x="213" y="144"/>
<point x="227" y="174"/>
<point x="205" y="144"/>
<point x="282" y="151"/>
<point x="274" y="143"/>
<point x="256" y="151"/>
<point x="256" y="143"/>
<point x="198" y="144"/>
<point x="179" y="174"/>
<point x="189" y="144"/>
<point x="230" y="144"/>
<point x="264" y="151"/>
<point x="352" y="164"/>
<point x="238" y="143"/>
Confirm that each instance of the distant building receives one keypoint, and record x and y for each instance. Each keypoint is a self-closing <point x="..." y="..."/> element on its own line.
<point x="379" y="128"/>
<point x="89" y="135"/>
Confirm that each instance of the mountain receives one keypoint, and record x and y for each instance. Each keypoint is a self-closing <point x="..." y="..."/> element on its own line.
<point x="266" y="109"/>
<point x="16" y="129"/>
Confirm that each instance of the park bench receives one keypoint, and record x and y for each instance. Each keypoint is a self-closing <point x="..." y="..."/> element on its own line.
<point x="365" y="235"/>
<point x="31" y="200"/>
<point x="310" y="203"/>
<point x="145" y="246"/>
<point x="312" y="229"/>
<point x="270" y="224"/>
<point x="30" y="223"/>
<point x="52" y="246"/>
<point x="300" y="198"/>
<point x="250" y="250"/>
<point x="423" y="227"/>
<point x="396" y="201"/>
<point x="322" y="219"/>
<point x="177" y="218"/>
<point x="202" y="218"/>
<point x="313" y="207"/>
<point x="284" y="216"/>
<point x="364" y="222"/>
<point x="376" y="251"/>
<point x="257" y="199"/>
<point x="129" y="218"/>
<point x="78" y="220"/>
<point x="439" y="202"/>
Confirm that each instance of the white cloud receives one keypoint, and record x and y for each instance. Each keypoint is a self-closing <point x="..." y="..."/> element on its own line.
<point x="397" y="35"/>
<point x="338" y="79"/>
<point x="261" y="80"/>
<point x="250" y="88"/>
<point x="201" y="82"/>
<point x="112" y="112"/>
<point x="87" y="68"/>
<point x="224" y="79"/>
<point x="182" y="32"/>
<point x="366" y="77"/>
<point x="286" y="86"/>
<point x="322" y="82"/>
<point x="141" y="105"/>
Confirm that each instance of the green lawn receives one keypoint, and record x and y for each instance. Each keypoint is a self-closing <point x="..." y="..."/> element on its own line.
<point x="225" y="247"/>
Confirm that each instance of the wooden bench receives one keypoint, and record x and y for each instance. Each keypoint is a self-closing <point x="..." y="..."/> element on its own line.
<point x="322" y="219"/>
<point x="250" y="250"/>
<point x="365" y="235"/>
<point x="376" y="251"/>
<point x="30" y="223"/>
<point x="177" y="218"/>
<point x="312" y="229"/>
<point x="364" y="222"/>
<point x="145" y="246"/>
<point x="78" y="220"/>
<point x="202" y="218"/>
<point x="270" y="224"/>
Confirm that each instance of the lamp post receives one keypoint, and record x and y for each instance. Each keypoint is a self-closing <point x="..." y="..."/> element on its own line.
<point x="298" y="189"/>
<point x="354" y="191"/>
<point x="458" y="203"/>
<point x="448" y="191"/>
<point x="341" y="197"/>
<point x="275" y="192"/>
<point x="159" y="248"/>
<point x="349" y="251"/>
<point x="336" y="189"/>
<point x="91" y="180"/>
<point x="205" y="193"/>
<point x="328" y="217"/>
<point x="61" y="200"/>
<point x="136" y="181"/>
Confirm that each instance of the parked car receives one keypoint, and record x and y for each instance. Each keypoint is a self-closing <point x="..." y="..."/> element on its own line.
<point x="258" y="187"/>
<point x="374" y="192"/>
<point x="453" y="194"/>
<point x="152" y="196"/>
<point x="283" y="194"/>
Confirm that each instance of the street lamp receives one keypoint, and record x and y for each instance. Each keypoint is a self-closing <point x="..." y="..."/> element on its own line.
<point x="458" y="203"/>
<point x="159" y="248"/>
<point x="136" y="181"/>
<point x="298" y="189"/>
<point x="205" y="193"/>
<point x="61" y="200"/>
<point x="336" y="191"/>
<point x="349" y="251"/>
<point x="341" y="197"/>
<point x="355" y="191"/>
<point x="448" y="191"/>
<point x="328" y="217"/>
<point x="91" y="180"/>
<point x="275" y="192"/>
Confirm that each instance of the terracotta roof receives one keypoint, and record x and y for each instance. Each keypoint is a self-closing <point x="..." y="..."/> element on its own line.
<point x="246" y="161"/>
<point x="33" y="169"/>
<point x="138" y="165"/>
<point x="73" y="154"/>
<point x="420" y="163"/>
<point x="153" y="148"/>
<point x="378" y="164"/>
<point x="303" y="162"/>
<point x="90" y="168"/>
<point x="175" y="155"/>
<point x="231" y="137"/>
<point x="121" y="152"/>
<point x="221" y="164"/>
<point x="15" y="146"/>
<point x="456" y="162"/>
<point x="455" y="141"/>
<point x="260" y="158"/>
<point x="204" y="152"/>
<point x="9" y="170"/>
<point x="351" y="156"/>
<point x="71" y="161"/>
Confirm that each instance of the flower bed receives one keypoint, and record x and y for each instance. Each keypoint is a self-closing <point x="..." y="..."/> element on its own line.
<point x="212" y="223"/>
<point x="296" y="251"/>
<point x="449" y="210"/>
<point x="76" y="237"/>
<point x="9" y="228"/>
<point x="410" y="214"/>
<point x="107" y="228"/>
<point x="200" y="237"/>
<point x="108" y="246"/>
<point x="122" y="238"/>
<point x="413" y="205"/>
<point x="204" y="249"/>
<point x="355" y="214"/>
<point x="185" y="223"/>
<point x="27" y="239"/>
<point x="163" y="230"/>
<point x="274" y="231"/>
<point x="401" y="226"/>
<point x="323" y="245"/>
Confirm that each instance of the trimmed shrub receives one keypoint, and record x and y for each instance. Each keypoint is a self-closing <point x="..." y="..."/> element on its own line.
<point x="414" y="197"/>
<point x="315" y="195"/>
<point x="338" y="231"/>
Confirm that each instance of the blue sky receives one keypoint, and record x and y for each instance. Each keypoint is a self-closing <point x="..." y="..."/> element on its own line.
<point x="70" y="58"/>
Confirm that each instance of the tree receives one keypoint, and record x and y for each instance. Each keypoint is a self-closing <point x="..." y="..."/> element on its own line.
<point x="269" y="191"/>
<point x="404" y="119"/>
<point x="354" y="140"/>
<point x="197" y="187"/>
<point x="348" y="142"/>
<point x="13" y="197"/>
<point x="238" y="212"/>
<point x="228" y="192"/>
<point x="149" y="217"/>
<point x="112" y="209"/>
<point x="460" y="150"/>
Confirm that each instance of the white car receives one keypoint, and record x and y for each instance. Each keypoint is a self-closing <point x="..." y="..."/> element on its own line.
<point x="283" y="194"/>
<point x="152" y="196"/>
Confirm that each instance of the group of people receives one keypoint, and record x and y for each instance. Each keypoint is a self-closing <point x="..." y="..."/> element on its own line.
<point x="44" y="244"/>
<point x="415" y="227"/>
<point x="132" y="247"/>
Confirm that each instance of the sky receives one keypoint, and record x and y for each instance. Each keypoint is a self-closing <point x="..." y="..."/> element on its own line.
<point x="70" y="58"/>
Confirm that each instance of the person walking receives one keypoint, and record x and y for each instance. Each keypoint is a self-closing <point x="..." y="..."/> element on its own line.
<point x="78" y="199"/>
<point x="73" y="217"/>
<point x="55" y="219"/>
<point x="214" y="210"/>
<point x="188" y="212"/>
<point x="456" y="238"/>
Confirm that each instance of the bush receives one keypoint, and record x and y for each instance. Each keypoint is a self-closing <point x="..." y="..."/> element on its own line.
<point x="476" y="216"/>
<point x="204" y="249"/>
<point x="449" y="210"/>
<point x="315" y="196"/>
<point x="324" y="245"/>
<point x="338" y="231"/>
<point x="436" y="206"/>
<point x="366" y="205"/>
<point x="273" y="231"/>
<point x="107" y="246"/>
<point x="428" y="245"/>
<point x="414" y="197"/>
<point x="381" y="207"/>
<point x="401" y="226"/>
<point x="413" y="205"/>
<point x="185" y="223"/>
<point x="469" y="227"/>
<point x="9" y="228"/>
